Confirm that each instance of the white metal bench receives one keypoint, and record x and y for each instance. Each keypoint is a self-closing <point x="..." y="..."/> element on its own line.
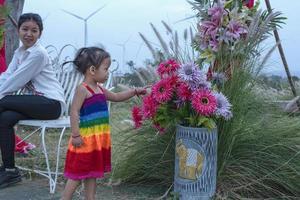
<point x="69" y="80"/>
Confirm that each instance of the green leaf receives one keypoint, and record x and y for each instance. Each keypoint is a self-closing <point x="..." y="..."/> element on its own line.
<point x="201" y="120"/>
<point x="207" y="55"/>
<point x="210" y="124"/>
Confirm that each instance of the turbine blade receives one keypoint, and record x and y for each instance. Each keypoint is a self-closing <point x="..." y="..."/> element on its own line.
<point x="95" y="12"/>
<point x="127" y="39"/>
<point x="44" y="19"/>
<point x="74" y="15"/>
<point x="184" y="19"/>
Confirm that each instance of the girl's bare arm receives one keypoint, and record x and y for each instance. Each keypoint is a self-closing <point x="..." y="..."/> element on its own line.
<point x="123" y="96"/>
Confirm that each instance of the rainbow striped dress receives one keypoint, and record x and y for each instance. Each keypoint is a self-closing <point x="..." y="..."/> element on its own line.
<point x="93" y="158"/>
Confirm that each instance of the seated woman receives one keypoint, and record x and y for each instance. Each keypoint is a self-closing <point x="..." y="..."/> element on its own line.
<point x="21" y="147"/>
<point x="42" y="95"/>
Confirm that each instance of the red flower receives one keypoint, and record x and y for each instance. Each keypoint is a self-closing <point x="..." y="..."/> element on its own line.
<point x="209" y="74"/>
<point x="162" y="91"/>
<point x="173" y="81"/>
<point x="183" y="92"/>
<point x="204" y="102"/>
<point x="159" y="128"/>
<point x="149" y="106"/>
<point x="249" y="3"/>
<point x="137" y="116"/>
<point x="167" y="68"/>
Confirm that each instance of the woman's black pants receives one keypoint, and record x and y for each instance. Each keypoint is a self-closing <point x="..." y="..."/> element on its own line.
<point x="20" y="107"/>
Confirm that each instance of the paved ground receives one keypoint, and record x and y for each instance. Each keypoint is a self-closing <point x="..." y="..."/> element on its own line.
<point x="28" y="190"/>
<point x="38" y="189"/>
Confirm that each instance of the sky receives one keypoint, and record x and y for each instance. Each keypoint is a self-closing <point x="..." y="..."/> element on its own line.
<point x="117" y="25"/>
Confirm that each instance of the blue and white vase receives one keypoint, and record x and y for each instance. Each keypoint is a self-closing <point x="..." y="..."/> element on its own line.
<point x="195" y="163"/>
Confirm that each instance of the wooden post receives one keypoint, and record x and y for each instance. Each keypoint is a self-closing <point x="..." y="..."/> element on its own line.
<point x="281" y="52"/>
<point x="11" y="33"/>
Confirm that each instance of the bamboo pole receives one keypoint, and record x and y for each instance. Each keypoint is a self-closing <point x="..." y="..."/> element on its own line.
<point x="282" y="55"/>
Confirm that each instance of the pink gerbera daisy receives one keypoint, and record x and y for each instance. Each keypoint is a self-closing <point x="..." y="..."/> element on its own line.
<point x="162" y="91"/>
<point x="168" y="67"/>
<point x="183" y="92"/>
<point x="204" y="102"/>
<point x="137" y="116"/>
<point x="149" y="106"/>
<point x="173" y="81"/>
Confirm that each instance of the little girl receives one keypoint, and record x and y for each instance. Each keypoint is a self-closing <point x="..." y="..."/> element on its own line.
<point x="89" y="150"/>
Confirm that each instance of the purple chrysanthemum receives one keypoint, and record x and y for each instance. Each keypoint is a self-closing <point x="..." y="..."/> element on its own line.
<point x="223" y="106"/>
<point x="193" y="76"/>
<point x="204" y="85"/>
<point x="218" y="78"/>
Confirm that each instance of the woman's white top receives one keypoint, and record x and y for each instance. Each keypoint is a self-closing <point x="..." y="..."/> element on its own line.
<point x="31" y="70"/>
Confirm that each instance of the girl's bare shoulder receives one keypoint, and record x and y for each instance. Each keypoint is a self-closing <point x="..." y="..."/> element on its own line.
<point x="82" y="91"/>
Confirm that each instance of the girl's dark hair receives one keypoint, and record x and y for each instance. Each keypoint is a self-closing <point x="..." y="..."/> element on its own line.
<point x="88" y="56"/>
<point x="31" y="17"/>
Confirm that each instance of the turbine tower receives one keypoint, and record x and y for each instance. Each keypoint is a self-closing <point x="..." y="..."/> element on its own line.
<point x="85" y="21"/>
<point x="123" y="46"/>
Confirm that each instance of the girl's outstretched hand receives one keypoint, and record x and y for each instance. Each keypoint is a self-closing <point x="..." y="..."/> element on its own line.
<point x="140" y="91"/>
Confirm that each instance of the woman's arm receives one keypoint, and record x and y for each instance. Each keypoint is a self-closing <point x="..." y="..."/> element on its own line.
<point x="123" y="96"/>
<point x="78" y="99"/>
<point x="29" y="68"/>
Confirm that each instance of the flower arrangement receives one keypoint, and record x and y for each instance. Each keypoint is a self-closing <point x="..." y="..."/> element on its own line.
<point x="229" y="33"/>
<point x="253" y="131"/>
<point x="222" y="27"/>
<point x="185" y="94"/>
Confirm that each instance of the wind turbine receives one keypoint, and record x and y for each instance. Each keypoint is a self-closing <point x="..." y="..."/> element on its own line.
<point x="85" y="21"/>
<point x="123" y="46"/>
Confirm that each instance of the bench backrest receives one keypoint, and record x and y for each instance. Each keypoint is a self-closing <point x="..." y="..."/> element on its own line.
<point x="69" y="80"/>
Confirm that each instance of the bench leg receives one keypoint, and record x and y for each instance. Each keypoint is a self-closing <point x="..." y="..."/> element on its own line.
<point x="29" y="135"/>
<point x="51" y="175"/>
<point x="57" y="157"/>
<point x="52" y="178"/>
<point x="51" y="181"/>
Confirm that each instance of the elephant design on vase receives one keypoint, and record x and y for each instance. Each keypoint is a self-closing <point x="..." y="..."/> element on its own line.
<point x="190" y="161"/>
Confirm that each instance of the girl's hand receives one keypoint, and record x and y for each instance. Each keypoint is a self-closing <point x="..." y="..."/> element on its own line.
<point x="77" y="141"/>
<point x="140" y="91"/>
